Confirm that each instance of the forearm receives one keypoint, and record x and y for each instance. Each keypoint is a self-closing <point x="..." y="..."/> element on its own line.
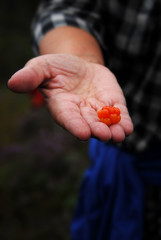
<point x="71" y="40"/>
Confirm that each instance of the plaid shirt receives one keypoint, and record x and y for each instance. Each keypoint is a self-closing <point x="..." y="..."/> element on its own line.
<point x="129" y="33"/>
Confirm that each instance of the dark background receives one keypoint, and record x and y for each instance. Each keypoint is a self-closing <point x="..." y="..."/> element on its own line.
<point x="41" y="165"/>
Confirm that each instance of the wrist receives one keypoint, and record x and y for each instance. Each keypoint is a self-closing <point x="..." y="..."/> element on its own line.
<point x="77" y="42"/>
<point x="92" y="59"/>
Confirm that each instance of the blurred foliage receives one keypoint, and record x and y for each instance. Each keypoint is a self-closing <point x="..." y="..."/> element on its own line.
<point x="41" y="165"/>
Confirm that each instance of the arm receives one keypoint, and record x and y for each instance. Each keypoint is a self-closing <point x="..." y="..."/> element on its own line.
<point x="72" y="40"/>
<point x="76" y="85"/>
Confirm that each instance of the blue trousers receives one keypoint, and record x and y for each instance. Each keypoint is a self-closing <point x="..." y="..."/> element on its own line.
<point x="111" y="199"/>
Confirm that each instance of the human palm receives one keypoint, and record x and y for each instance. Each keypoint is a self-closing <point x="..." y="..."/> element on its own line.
<point x="75" y="90"/>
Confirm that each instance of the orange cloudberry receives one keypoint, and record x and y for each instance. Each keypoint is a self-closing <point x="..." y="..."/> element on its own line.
<point x="109" y="115"/>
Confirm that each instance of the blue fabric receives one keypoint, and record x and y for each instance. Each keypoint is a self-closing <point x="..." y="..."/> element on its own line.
<point x="111" y="200"/>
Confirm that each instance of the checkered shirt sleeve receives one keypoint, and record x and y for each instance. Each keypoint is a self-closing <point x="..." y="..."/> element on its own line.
<point x="129" y="34"/>
<point x="135" y="55"/>
<point x="55" y="13"/>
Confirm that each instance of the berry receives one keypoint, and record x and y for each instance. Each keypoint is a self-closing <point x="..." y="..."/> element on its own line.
<point x="109" y="115"/>
<point x="37" y="99"/>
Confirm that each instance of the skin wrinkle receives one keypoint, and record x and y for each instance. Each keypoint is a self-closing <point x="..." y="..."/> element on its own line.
<point x="65" y="76"/>
<point x="75" y="109"/>
<point x="90" y="89"/>
<point x="65" y="68"/>
<point x="61" y="117"/>
<point x="79" y="88"/>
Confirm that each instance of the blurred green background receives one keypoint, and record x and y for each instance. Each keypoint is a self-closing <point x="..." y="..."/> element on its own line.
<point x="41" y="165"/>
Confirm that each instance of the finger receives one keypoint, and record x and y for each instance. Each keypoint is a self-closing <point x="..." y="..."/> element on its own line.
<point x="118" y="133"/>
<point x="126" y="121"/>
<point x="31" y="76"/>
<point x="25" y="80"/>
<point x="41" y="68"/>
<point x="69" y="117"/>
<point x="98" y="129"/>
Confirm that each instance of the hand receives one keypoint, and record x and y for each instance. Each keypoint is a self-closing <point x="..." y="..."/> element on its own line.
<point x="75" y="90"/>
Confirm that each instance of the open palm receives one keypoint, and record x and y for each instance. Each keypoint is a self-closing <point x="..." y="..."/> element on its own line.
<point x="75" y="90"/>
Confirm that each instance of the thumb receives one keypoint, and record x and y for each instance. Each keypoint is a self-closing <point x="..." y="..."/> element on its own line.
<point x="41" y="68"/>
<point x="29" y="77"/>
